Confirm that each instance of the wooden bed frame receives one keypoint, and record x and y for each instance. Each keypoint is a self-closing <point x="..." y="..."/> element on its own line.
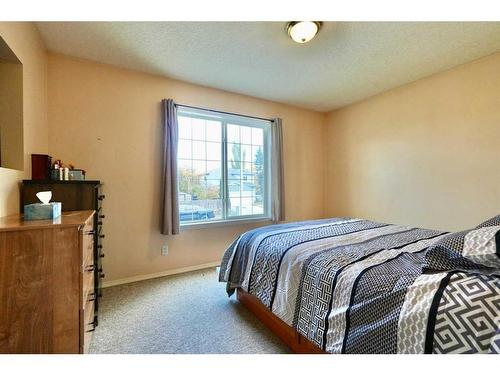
<point x="294" y="340"/>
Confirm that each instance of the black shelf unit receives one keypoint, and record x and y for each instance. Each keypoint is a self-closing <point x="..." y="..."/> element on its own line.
<point x="75" y="196"/>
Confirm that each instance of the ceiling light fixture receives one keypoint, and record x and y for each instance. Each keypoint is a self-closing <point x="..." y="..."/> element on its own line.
<point x="303" y="31"/>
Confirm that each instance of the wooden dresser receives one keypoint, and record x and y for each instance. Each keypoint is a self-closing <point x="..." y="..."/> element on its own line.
<point x="75" y="196"/>
<point x="47" y="284"/>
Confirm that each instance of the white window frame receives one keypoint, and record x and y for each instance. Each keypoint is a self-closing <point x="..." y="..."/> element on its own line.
<point x="225" y="119"/>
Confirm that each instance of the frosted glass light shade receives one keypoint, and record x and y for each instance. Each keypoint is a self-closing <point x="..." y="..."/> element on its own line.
<point x="303" y="31"/>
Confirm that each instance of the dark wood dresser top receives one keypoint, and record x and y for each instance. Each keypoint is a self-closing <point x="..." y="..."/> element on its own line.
<point x="63" y="182"/>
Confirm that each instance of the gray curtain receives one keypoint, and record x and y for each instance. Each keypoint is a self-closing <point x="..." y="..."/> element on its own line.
<point x="277" y="175"/>
<point x="170" y="198"/>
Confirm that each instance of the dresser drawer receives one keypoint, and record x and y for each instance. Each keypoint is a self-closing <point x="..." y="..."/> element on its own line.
<point x="88" y="326"/>
<point x="87" y="244"/>
<point x="89" y="225"/>
<point x="88" y="283"/>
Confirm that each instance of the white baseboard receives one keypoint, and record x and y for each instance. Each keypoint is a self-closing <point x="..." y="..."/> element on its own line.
<point x="175" y="271"/>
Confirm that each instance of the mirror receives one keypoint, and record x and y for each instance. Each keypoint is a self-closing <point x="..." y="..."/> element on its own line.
<point x="11" y="109"/>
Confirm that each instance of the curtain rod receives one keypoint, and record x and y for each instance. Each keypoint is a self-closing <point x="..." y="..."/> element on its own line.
<point x="226" y="113"/>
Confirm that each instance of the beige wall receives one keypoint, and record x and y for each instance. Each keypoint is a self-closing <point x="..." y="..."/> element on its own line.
<point x="107" y="120"/>
<point x="11" y="115"/>
<point x="426" y="154"/>
<point x="24" y="40"/>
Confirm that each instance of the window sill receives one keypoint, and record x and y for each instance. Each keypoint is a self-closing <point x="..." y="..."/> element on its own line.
<point x="223" y="223"/>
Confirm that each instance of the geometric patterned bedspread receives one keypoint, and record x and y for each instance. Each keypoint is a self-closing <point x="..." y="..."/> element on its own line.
<point x="357" y="286"/>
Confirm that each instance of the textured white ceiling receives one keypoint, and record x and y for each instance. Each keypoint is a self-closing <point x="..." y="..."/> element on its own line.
<point x="346" y="62"/>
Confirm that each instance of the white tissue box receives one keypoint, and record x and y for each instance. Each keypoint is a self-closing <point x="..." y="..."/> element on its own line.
<point x="42" y="211"/>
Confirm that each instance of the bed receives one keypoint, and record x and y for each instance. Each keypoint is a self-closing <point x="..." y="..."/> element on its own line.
<point x="348" y="285"/>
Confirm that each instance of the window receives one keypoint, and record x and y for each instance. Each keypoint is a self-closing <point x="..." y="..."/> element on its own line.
<point x="223" y="167"/>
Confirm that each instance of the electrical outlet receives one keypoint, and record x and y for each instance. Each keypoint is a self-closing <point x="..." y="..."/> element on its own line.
<point x="164" y="250"/>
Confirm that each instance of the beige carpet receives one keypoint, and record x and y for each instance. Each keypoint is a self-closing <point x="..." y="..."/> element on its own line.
<point x="187" y="313"/>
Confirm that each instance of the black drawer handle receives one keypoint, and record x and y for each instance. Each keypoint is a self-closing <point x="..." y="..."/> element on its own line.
<point x="90" y="268"/>
<point x="101" y="236"/>
<point x="102" y="275"/>
<point x="102" y="216"/>
<point x="99" y="223"/>
<point x="93" y="326"/>
<point x="101" y="197"/>
<point x="90" y="232"/>
<point x="99" y="246"/>
<point x="101" y="255"/>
